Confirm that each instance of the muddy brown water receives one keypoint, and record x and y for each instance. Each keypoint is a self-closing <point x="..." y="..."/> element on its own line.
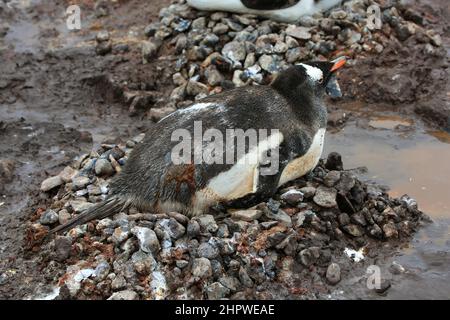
<point x="399" y="151"/>
<point x="411" y="159"/>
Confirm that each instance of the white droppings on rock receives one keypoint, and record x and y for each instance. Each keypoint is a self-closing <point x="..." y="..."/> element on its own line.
<point x="355" y="255"/>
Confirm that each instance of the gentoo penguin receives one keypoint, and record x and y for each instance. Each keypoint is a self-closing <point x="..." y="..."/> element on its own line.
<point x="280" y="10"/>
<point x="289" y="116"/>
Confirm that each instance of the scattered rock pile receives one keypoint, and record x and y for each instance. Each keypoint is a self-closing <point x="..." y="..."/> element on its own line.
<point x="216" y="51"/>
<point x="298" y="244"/>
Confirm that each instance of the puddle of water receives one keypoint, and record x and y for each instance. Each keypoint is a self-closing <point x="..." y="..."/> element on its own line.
<point x="417" y="164"/>
<point x="389" y="122"/>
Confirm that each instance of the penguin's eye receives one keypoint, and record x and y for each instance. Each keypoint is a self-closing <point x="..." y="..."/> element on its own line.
<point x="320" y="81"/>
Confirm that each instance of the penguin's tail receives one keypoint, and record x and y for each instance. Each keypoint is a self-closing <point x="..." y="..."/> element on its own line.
<point x="101" y="210"/>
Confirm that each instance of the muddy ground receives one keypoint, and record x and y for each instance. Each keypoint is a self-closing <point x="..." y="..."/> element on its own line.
<point x="58" y="99"/>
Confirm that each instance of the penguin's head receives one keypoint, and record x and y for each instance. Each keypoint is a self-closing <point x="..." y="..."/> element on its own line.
<point x="322" y="75"/>
<point x="316" y="76"/>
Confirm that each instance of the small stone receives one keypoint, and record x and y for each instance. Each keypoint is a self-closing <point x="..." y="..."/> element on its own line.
<point x="148" y="241"/>
<point x="208" y="250"/>
<point x="49" y="217"/>
<point x="331" y="178"/>
<point x="143" y="263"/>
<point x="292" y="197"/>
<point x="353" y="230"/>
<point x="302" y="33"/>
<point x="102" y="36"/>
<point x="359" y="219"/>
<point x="296" y="54"/>
<point x="63" y="246"/>
<point x="334" y="162"/>
<point x="149" y="50"/>
<point x="333" y="273"/>
<point x="267" y="62"/>
<point x="101" y="271"/>
<point x="124" y="295"/>
<point x="245" y="278"/>
<point x="396" y="268"/>
<point x="198" y="24"/>
<point x="181" y="263"/>
<point x="207" y="223"/>
<point x="216" y="291"/>
<point x="213" y="76"/>
<point x="291" y="42"/>
<point x="63" y="216"/>
<point x="384" y="286"/>
<point x="325" y="197"/>
<point x="79" y="206"/>
<point x="201" y="268"/>
<point x="68" y="174"/>
<point x="308" y="256"/>
<point x="193" y="228"/>
<point x="80" y="182"/>
<point x="235" y="51"/>
<point x="51" y="183"/>
<point x="308" y="192"/>
<point x="194" y="88"/>
<point x="119" y="235"/>
<point x="103" y="48"/>
<point x="338" y="15"/>
<point x="230" y="282"/>
<point x="246" y="215"/>
<point x="390" y="231"/>
<point x="118" y="283"/>
<point x="103" y="167"/>
<point x="343" y="219"/>
<point x="220" y="28"/>
<point x="175" y="229"/>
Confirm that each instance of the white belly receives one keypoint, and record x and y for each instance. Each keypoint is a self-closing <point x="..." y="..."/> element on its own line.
<point x="241" y="179"/>
<point x="302" y="165"/>
<point x="290" y="14"/>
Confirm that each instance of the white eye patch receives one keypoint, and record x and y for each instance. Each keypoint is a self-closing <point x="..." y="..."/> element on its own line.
<point x="314" y="73"/>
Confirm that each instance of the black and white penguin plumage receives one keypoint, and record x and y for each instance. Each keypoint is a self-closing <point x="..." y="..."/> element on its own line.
<point x="280" y="10"/>
<point x="292" y="111"/>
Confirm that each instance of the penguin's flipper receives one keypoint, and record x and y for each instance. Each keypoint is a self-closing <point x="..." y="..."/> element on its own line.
<point x="101" y="210"/>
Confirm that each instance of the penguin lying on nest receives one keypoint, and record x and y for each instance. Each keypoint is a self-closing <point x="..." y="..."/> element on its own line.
<point x="280" y="10"/>
<point x="291" y="106"/>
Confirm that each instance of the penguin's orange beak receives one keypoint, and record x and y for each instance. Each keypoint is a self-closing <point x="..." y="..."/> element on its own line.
<point x="338" y="63"/>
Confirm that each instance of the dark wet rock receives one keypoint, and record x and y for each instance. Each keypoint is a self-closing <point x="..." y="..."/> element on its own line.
<point x="396" y="268"/>
<point x="376" y="232"/>
<point x="334" y="162"/>
<point x="358" y="218"/>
